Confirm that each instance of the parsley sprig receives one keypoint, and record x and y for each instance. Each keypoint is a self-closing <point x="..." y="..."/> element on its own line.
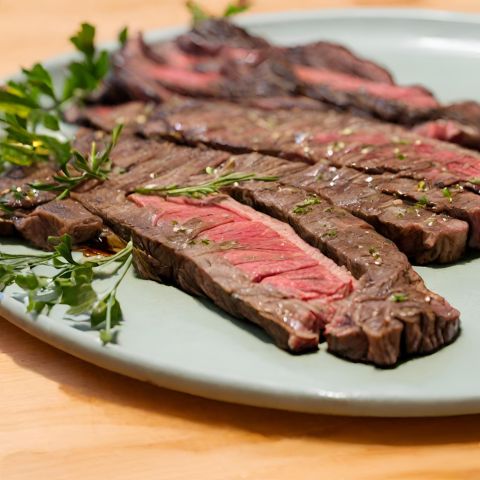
<point x="206" y="188"/>
<point x="199" y="14"/>
<point x="32" y="104"/>
<point x="69" y="282"/>
<point x="95" y="166"/>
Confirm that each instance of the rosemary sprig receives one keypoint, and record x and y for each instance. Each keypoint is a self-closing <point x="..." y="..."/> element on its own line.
<point x="204" y="189"/>
<point x="95" y="166"/>
<point x="69" y="284"/>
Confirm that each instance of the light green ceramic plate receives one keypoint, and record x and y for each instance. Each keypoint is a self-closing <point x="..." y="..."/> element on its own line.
<point x="183" y="343"/>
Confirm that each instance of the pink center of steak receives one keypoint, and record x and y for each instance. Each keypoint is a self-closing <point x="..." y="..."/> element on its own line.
<point x="264" y="249"/>
<point x="414" y="96"/>
<point x="180" y="77"/>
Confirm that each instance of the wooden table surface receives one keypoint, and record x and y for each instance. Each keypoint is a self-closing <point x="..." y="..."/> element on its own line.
<point x="61" y="418"/>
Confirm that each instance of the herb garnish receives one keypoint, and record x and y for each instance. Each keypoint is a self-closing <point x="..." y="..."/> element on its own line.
<point x="447" y="194"/>
<point x="31" y="104"/>
<point x="399" y="297"/>
<point x="85" y="75"/>
<point x="203" y="189"/>
<point x="399" y="154"/>
<point x="199" y="13"/>
<point x="70" y="284"/>
<point x="422" y="202"/>
<point x="235" y="8"/>
<point x="95" y="166"/>
<point x="330" y="233"/>
<point x="422" y="186"/>
<point x="306" y="206"/>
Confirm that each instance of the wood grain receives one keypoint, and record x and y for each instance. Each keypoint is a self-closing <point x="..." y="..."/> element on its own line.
<point x="61" y="418"/>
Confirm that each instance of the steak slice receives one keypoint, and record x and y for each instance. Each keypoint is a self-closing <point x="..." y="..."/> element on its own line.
<point x="106" y="117"/>
<point x="244" y="261"/>
<point x="57" y="218"/>
<point x="145" y="73"/>
<point x="15" y="189"/>
<point x="451" y="131"/>
<point x="422" y="235"/>
<point x="337" y="58"/>
<point x="313" y="135"/>
<point x="454" y="201"/>
<point x="394" y="103"/>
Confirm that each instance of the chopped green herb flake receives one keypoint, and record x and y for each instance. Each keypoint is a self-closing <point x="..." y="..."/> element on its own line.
<point x="422" y="202"/>
<point x="422" y="186"/>
<point x="399" y="297"/>
<point x="330" y="233"/>
<point x="447" y="194"/>
<point x="306" y="206"/>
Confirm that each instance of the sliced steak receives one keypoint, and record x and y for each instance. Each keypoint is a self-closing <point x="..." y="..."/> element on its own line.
<point x="106" y="117"/>
<point x="259" y="73"/>
<point x="451" y="131"/>
<point x="454" y="201"/>
<point x="250" y="265"/>
<point x="337" y="58"/>
<point x="399" y="104"/>
<point x="421" y="323"/>
<point x="422" y="235"/>
<point x="423" y="328"/>
<point x="15" y="189"/>
<point x="57" y="218"/>
<point x="133" y="76"/>
<point x="210" y="36"/>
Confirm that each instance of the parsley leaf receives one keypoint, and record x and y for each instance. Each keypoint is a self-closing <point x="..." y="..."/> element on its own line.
<point x="70" y="282"/>
<point x="235" y="8"/>
<point x="199" y="14"/>
<point x="86" y="74"/>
